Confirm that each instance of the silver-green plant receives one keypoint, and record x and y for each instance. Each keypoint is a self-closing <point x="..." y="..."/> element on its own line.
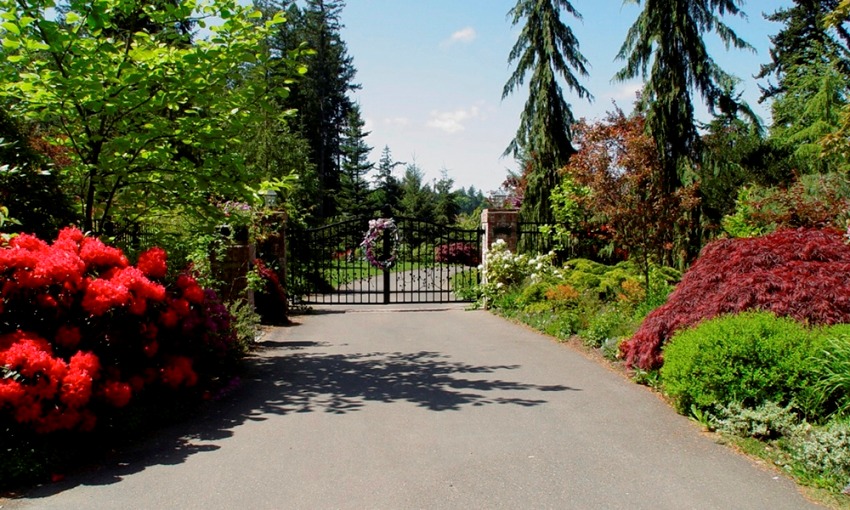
<point x="825" y="451"/>
<point x="767" y="421"/>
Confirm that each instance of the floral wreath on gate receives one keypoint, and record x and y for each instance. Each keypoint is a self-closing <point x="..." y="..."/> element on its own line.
<point x="376" y="232"/>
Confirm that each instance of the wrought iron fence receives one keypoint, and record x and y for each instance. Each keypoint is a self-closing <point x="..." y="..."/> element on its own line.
<point x="131" y="237"/>
<point x="531" y="240"/>
<point x="328" y="264"/>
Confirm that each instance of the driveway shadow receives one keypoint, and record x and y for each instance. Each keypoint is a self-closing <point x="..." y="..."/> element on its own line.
<point x="291" y="377"/>
<point x="339" y="384"/>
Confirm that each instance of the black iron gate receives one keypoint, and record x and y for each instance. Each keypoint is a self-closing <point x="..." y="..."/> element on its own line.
<point x="431" y="263"/>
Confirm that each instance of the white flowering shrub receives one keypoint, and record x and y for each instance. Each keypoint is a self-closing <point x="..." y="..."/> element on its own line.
<point x="503" y="269"/>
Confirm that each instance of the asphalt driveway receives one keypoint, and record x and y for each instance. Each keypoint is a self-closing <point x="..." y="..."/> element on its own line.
<point x="383" y="408"/>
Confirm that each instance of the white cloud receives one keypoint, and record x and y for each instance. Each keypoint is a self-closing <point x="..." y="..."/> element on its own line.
<point x="397" y="121"/>
<point x="464" y="35"/>
<point x="452" y="122"/>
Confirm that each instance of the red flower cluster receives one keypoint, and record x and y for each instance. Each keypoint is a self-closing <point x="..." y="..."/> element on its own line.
<point x="153" y="263"/>
<point x="82" y="330"/>
<point x="42" y="389"/>
<point x="803" y="274"/>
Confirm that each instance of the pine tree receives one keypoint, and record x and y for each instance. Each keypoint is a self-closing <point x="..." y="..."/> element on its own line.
<point x="354" y="188"/>
<point x="808" y="111"/>
<point x="546" y="49"/>
<point x="321" y="95"/>
<point x="387" y="193"/>
<point x="417" y="198"/>
<point x="447" y="201"/>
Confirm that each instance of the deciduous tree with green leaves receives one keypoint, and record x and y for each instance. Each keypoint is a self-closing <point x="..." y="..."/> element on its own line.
<point x="152" y="124"/>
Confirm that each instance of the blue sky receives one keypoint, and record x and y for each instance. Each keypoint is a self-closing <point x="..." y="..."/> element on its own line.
<point x="432" y="74"/>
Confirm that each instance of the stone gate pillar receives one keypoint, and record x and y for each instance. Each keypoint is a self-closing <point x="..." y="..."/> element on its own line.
<point x="500" y="224"/>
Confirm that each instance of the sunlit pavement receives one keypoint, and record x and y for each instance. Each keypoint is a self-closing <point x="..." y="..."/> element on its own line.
<point x="426" y="406"/>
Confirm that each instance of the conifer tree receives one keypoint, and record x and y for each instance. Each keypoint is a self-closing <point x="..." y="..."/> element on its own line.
<point x="321" y="96"/>
<point x="417" y="198"/>
<point x="447" y="203"/>
<point x="387" y="193"/>
<point x="354" y="188"/>
<point x="804" y="40"/>
<point x="547" y="50"/>
<point x="665" y="46"/>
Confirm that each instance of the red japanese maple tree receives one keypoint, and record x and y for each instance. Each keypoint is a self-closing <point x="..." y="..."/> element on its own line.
<point x="802" y="273"/>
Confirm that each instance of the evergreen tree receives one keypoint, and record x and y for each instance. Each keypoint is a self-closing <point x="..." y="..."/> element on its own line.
<point x="807" y="112"/>
<point x="668" y="35"/>
<point x="446" y="201"/>
<point x="546" y="49"/>
<point x="354" y="188"/>
<point x="470" y="199"/>
<point x="811" y="65"/>
<point x="321" y="95"/>
<point x="804" y="40"/>
<point x="274" y="149"/>
<point x="417" y="198"/>
<point x="387" y="194"/>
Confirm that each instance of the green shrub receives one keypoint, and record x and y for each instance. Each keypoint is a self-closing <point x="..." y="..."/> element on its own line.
<point x="533" y="293"/>
<point x="751" y="358"/>
<point x="505" y="300"/>
<point x="609" y="322"/>
<point x="583" y="281"/>
<point x="504" y="270"/>
<point x="610" y="284"/>
<point x="467" y="288"/>
<point x="607" y="281"/>
<point x="246" y="324"/>
<point x="558" y="323"/>
<point x="659" y="291"/>
<point x="586" y="266"/>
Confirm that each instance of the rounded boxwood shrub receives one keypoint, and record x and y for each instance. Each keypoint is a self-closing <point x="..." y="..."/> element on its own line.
<point x="751" y="358"/>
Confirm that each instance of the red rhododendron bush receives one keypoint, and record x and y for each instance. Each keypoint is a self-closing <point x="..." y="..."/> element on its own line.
<point x="83" y="332"/>
<point x="803" y="274"/>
